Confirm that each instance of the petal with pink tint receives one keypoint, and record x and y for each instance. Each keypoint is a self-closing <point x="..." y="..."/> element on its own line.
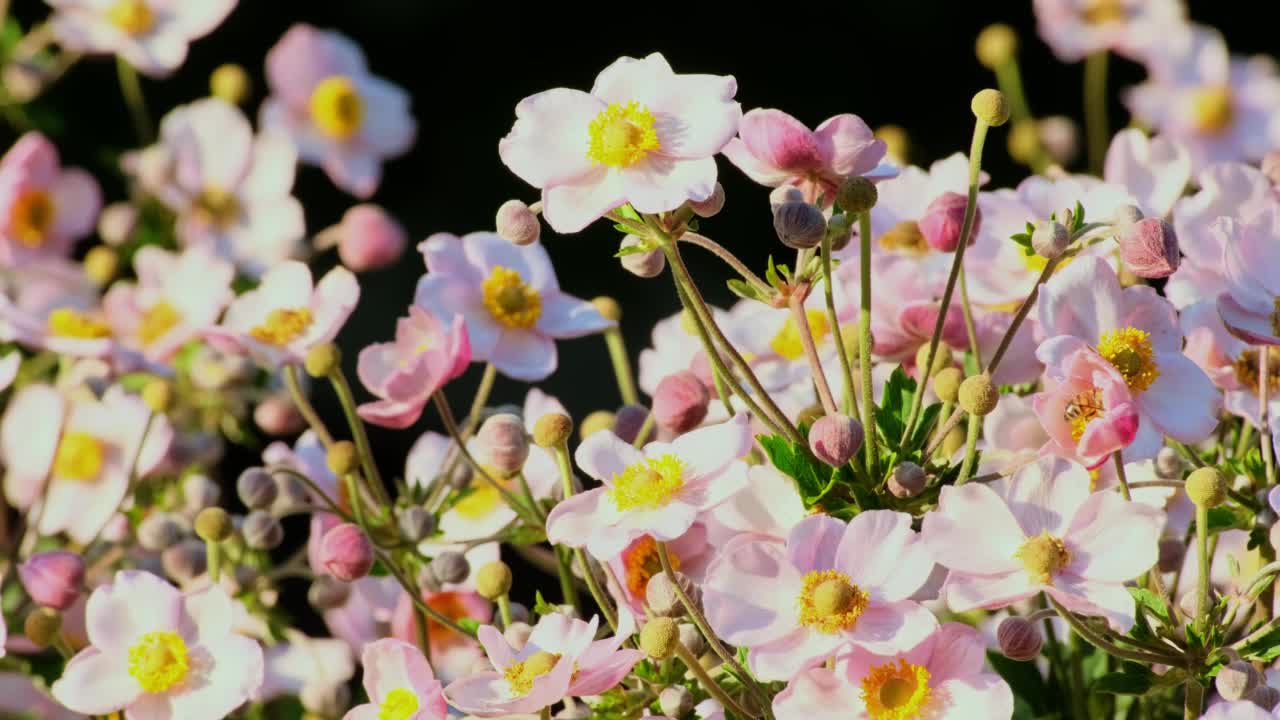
<point x="1104" y="599"/>
<point x="78" y="199"/>
<point x="1183" y="401"/>
<point x="750" y="592"/>
<point x="814" y="543"/>
<point x="883" y="555"/>
<point x="956" y="651"/>
<point x="659" y="184"/>
<point x="967" y="592"/>
<point x="709" y="450"/>
<point x="778" y="140"/>
<point x="1156" y="170"/>
<point x="973" y="531"/>
<point x="1106" y="522"/>
<point x="1082" y="299"/>
<point x="564" y="316"/>
<point x="575" y="520"/>
<point x="848" y="146"/>
<point x="892" y="627"/>
<point x="548" y="144"/>
<point x="783" y="658"/>
<point x="96" y="683"/>
<point x="573" y="205"/>
<point x="133" y="604"/>
<point x="818" y="694"/>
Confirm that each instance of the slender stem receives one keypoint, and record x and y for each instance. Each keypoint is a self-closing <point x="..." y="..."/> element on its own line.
<point x="868" y="407"/>
<point x="1264" y="402"/>
<point x="504" y="611"/>
<point x="1202" y="553"/>
<point x="566" y="479"/>
<point x="732" y="260"/>
<point x="709" y="684"/>
<point x="134" y="99"/>
<point x="850" y="393"/>
<point x="646" y="429"/>
<point x="1105" y="645"/>
<point x="1009" y="79"/>
<point x="1258" y="634"/>
<point x="133" y="478"/>
<point x="970" y="450"/>
<point x="415" y="596"/>
<point x="1194" y="701"/>
<point x="304" y="405"/>
<point x="545" y="713"/>
<point x="1243" y="438"/>
<point x="1120" y="476"/>
<point x="483" y="390"/>
<point x="801" y="320"/>
<point x="970" y="327"/>
<point x="328" y="501"/>
<point x="1021" y="315"/>
<point x="1095" y="109"/>
<point x="944" y="431"/>
<point x="345" y="398"/>
<point x="424" y="634"/>
<point x="717" y="365"/>
<point x="621" y="365"/>
<point x="446" y="416"/>
<point x="597" y="593"/>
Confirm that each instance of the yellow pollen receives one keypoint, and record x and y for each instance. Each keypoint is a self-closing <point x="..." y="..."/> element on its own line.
<point x="1129" y="350"/>
<point x="520" y="675"/>
<point x="31" y="217"/>
<point x="217" y="207"/>
<point x="642" y="563"/>
<point x="905" y="237"/>
<point x="1043" y="556"/>
<point x="158" y="661"/>
<point x="79" y="456"/>
<point x="482" y="499"/>
<point x="400" y="704"/>
<point x="282" y="326"/>
<point x="648" y="484"/>
<point x="622" y="135"/>
<point x="1101" y="12"/>
<point x="1212" y="109"/>
<point x="896" y="691"/>
<point x="156" y="321"/>
<point x="336" y="108"/>
<point x="787" y="342"/>
<point x="66" y="322"/>
<point x="1083" y="409"/>
<point x="133" y="17"/>
<point x="510" y="299"/>
<point x="1247" y="366"/>
<point x="829" y="603"/>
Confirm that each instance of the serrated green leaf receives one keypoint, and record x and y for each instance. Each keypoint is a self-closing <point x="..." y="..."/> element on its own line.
<point x="745" y="290"/>
<point x="1025" y="680"/>
<point x="630" y="213"/>
<point x="813" y="478"/>
<point x="1229" y="518"/>
<point x="1133" y="680"/>
<point x="1151" y="602"/>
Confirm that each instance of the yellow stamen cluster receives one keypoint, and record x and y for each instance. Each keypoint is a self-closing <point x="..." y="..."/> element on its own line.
<point x="217" y="207"/>
<point x="79" y="456"/>
<point x="1247" y="368"/>
<point x="133" y="17"/>
<point x="1213" y="108"/>
<point x="31" y="217"/>
<point x="520" y="675"/>
<point x="1043" y="556"/>
<point x="156" y="321"/>
<point x="399" y="704"/>
<point x="510" y="300"/>
<point x="906" y="238"/>
<point x="1083" y="409"/>
<point x="787" y="343"/>
<point x="622" y="135"/>
<point x="642" y="563"/>
<point x="829" y="603"/>
<point x="648" y="484"/>
<point x="337" y="109"/>
<point x="896" y="691"/>
<point x="158" y="661"/>
<point x="66" y="322"/>
<point x="482" y="498"/>
<point x="1129" y="350"/>
<point x="282" y="326"/>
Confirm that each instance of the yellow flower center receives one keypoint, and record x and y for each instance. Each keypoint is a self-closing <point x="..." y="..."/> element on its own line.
<point x="30" y="217"/>
<point x="896" y="691"/>
<point x="1082" y="410"/>
<point x="400" y="704"/>
<point x="520" y="675"/>
<point x="133" y="17"/>
<point x="66" y="322"/>
<point x="482" y="499"/>
<point x="829" y="603"/>
<point x="642" y="563"/>
<point x="336" y="108"/>
<point x="156" y="321"/>
<point x="1043" y="556"/>
<point x="217" y="207"/>
<point x="510" y="299"/>
<point x="158" y="661"/>
<point x="787" y="342"/>
<point x="79" y="456"/>
<point x="622" y="135"/>
<point x="648" y="484"/>
<point x="906" y="238"/>
<point x="1247" y="368"/>
<point x="1129" y="350"/>
<point x="1212" y="108"/>
<point x="1101" y="12"/>
<point x="282" y="326"/>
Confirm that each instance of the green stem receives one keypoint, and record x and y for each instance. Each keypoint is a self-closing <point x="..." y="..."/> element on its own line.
<point x="730" y="259"/>
<point x="602" y="600"/>
<point x="1202" y="554"/>
<point x="340" y="385"/>
<point x="424" y="634"/>
<point x="646" y="429"/>
<point x="709" y="684"/>
<point x="1105" y="645"/>
<point x="850" y="394"/>
<point x="801" y="320"/>
<point x="308" y="412"/>
<point x="1195" y="700"/>
<point x="868" y="407"/>
<point x="621" y="365"/>
<point x="970" y="327"/>
<point x="504" y="611"/>
<point x="597" y="593"/>
<point x="134" y="99"/>
<point x="446" y="416"/>
<point x="1023" y="310"/>
<point x="415" y="596"/>
<point x="970" y="449"/>
<point x="1264" y="429"/>
<point x="1097" y="125"/>
<point x="1120" y="475"/>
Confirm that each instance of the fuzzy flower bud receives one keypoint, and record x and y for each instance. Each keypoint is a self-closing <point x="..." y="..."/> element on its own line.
<point x="101" y="265"/>
<point x="1149" y="248"/>
<point x="942" y="358"/>
<point x="692" y="638"/>
<point x="595" y="422"/>
<point x="415" y="524"/>
<point x="675" y="701"/>
<point x="502" y="444"/>
<point x="214" y="525"/>
<point x="978" y="395"/>
<point x="1237" y="681"/>
<point x="1265" y="697"/>
<point x="1050" y="239"/>
<point x="835" y="439"/>
<point x="661" y="596"/>
<point x="346" y="552"/>
<point x="1060" y="138"/>
<point x="1207" y="487"/>
<point x="41" y="626"/>
<point x="659" y="638"/>
<point x="327" y="593"/>
<point x="1126" y="215"/>
<point x="680" y="402"/>
<point x="628" y="421"/>
<point x="857" y="195"/>
<point x="369" y="238"/>
<point x="160" y="530"/>
<point x="184" y="561"/>
<point x="256" y="488"/>
<point x="1019" y="639"/>
<point x="262" y="531"/>
<point x="1169" y="465"/>
<point x="907" y="480"/>
<point x="493" y="580"/>
<point x="997" y="44"/>
<point x="943" y="222"/>
<point x="342" y="458"/>
<point x="552" y="429"/>
<point x="799" y="225"/>
<point x="946" y="384"/>
<point x="230" y="82"/>
<point x="711" y="206"/>
<point x="53" y="578"/>
<point x="199" y="492"/>
<point x="647" y="264"/>
<point x="323" y="360"/>
<point x="517" y="224"/>
<point x="450" y="567"/>
<point x="991" y="107"/>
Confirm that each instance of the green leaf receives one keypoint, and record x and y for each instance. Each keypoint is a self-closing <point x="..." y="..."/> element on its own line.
<point x="1133" y="680"/>
<point x="542" y="607"/>
<point x="1025" y="680"/>
<point x="1151" y="602"/>
<point x="631" y="250"/>
<point x="745" y="290"/>
<point x="527" y="535"/>
<point x="813" y="478"/>
<point x="1077" y="218"/>
<point x="891" y="414"/>
<point x="469" y="624"/>
<point x="925" y="427"/>
<point x="630" y="213"/>
<point x="1228" y="518"/>
<point x="771" y="274"/>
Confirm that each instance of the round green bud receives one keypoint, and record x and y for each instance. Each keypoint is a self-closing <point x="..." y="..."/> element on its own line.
<point x="101" y="264"/>
<point x="230" y="82"/>
<point x="608" y="307"/>
<point x="978" y="395"/>
<point x="158" y="395"/>
<point x="323" y="360"/>
<point x="810" y="415"/>
<point x="659" y="638"/>
<point x="214" y="525"/>
<point x="947" y="384"/>
<point x="342" y="458"/>
<point x="942" y="358"/>
<point x="595" y="422"/>
<point x="493" y="580"/>
<point x="1207" y="487"/>
<point x="857" y="194"/>
<point x="991" y="107"/>
<point x="552" y="429"/>
<point x="997" y="44"/>
<point x="41" y="626"/>
<point x="1023" y="141"/>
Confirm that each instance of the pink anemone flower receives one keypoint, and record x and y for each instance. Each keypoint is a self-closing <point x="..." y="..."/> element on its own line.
<point x="44" y="208"/>
<point x="405" y="373"/>
<point x="400" y="684"/>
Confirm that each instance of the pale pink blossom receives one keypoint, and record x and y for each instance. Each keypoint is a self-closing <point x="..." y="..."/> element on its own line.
<point x="1250" y="303"/>
<point x="44" y="207"/>
<point x="150" y="35"/>
<point x="829" y="588"/>
<point x="399" y="683"/>
<point x="906" y="317"/>
<point x="1155" y="170"/>
<point x="157" y="653"/>
<point x="1229" y="362"/>
<point x="406" y="372"/>
<point x="310" y="668"/>
<point x="1239" y="710"/>
<point x="19" y="694"/>
<point x="9" y="366"/>
<point x="367" y="614"/>
<point x="769" y="506"/>
<point x="1074" y="29"/>
<point x="644" y="135"/>
<point x="1012" y="435"/>
<point x="658" y="491"/>
<point x="1042" y="530"/>
<point x="638" y="563"/>
<point x="944" y="673"/>
<point x="368" y="238"/>
<point x="340" y="116"/>
<point x="1087" y="410"/>
<point x="510" y="297"/>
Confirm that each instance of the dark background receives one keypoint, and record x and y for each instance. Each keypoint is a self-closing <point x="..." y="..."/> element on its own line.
<point x="467" y="64"/>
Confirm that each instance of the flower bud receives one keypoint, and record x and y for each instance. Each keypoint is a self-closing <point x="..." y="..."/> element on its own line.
<point x="256" y="488"/>
<point x="322" y="360"/>
<point x="502" y="444"/>
<point x="346" y="552"/>
<point x="997" y="44"/>
<point x="369" y="238"/>
<point x="517" y="635"/>
<point x="897" y="142"/>
<point x="450" y="567"/>
<point x="1265" y="697"/>
<point x="946" y="384"/>
<point x="680" y="402"/>
<point x="907" y="481"/>
<point x="230" y="82"/>
<point x="520" y="613"/>
<point x="324" y="700"/>
<point x="277" y="415"/>
<point x="1237" y="680"/>
<point x="835" y="439"/>
<point x="647" y="264"/>
<point x="1169" y="464"/>
<point x="199" y="492"/>
<point x="1050" y="239"/>
<point x="101" y="265"/>
<point x="327" y="592"/>
<point x="692" y="638"/>
<point x="116" y="223"/>
<point x="711" y="206"/>
<point x="1019" y="639"/>
<point x="214" y="525"/>
<point x="661" y="596"/>
<point x="628" y="421"/>
<point x="943" y="222"/>
<point x="262" y="531"/>
<point x="1149" y="248"/>
<point x="840" y="231"/>
<point x="608" y="307"/>
<point x="552" y="429"/>
<point x="517" y="224"/>
<point x="799" y="225"/>
<point x="1024" y="141"/>
<point x="415" y="523"/>
<point x="53" y="578"/>
<point x="991" y="107"/>
<point x="1059" y="137"/>
<point x="595" y="422"/>
<point x="184" y="561"/>
<point x="342" y="458"/>
<point x="1207" y="487"/>
<point x="41" y="626"/>
<point x="160" y="530"/>
<point x="493" y="580"/>
<point x="292" y="493"/>
<point x="1170" y="555"/>
<point x="942" y="358"/>
<point x="1126" y="215"/>
<point x="659" y="638"/>
<point x="857" y="195"/>
<point x="675" y="701"/>
<point x="978" y="395"/>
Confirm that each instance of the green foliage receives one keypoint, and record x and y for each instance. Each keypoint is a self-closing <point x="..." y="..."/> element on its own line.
<point x="1133" y="679"/>
<point x="814" y="479"/>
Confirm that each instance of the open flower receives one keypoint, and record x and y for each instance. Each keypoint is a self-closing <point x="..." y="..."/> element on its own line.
<point x="44" y="208"/>
<point x="657" y="491"/>
<point x="773" y="148"/>
<point x="942" y="678"/>
<point x="1250" y="304"/>
<point x="643" y="135"/>
<point x="405" y="373"/>
<point x="279" y="321"/>
<point x="1041" y="530"/>
<point x="341" y="116"/>
<point x="151" y="35"/>
<point x="510" y="298"/>
<point x="311" y="668"/>
<point x="1154" y="170"/>
<point x="400" y="685"/>
<point x="831" y="587"/>
<point x="1088" y="412"/>
<point x="1074" y="29"/>
<point x="638" y="562"/>
<point x="156" y="653"/>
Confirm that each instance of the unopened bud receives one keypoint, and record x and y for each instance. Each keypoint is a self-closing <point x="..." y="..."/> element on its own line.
<point x="53" y="578"/>
<point x="608" y="307"/>
<point x="502" y="444"/>
<point x="517" y="635"/>
<point x="262" y="531"/>
<point x="840" y="230"/>
<point x="659" y="638"/>
<point x="101" y="264"/>
<point x="646" y="264"/>
<point x="450" y="567"/>
<point x="1169" y="464"/>
<point x="185" y="561"/>
<point x="1237" y="680"/>
<point x="1207" y="487"/>
<point x="1265" y="697"/>
<point x="978" y="395"/>
<point x="1149" y="248"/>
<point x="907" y="480"/>
<point x="1019" y="639"/>
<point x="116" y="223"/>
<point x="943" y="222"/>
<point x="552" y="429"/>
<point x="799" y="225"/>
<point x="991" y="107"/>
<point x="517" y="224"/>
<point x="1126" y="215"/>
<point x="256" y="488"/>
<point x="322" y="360"/>
<point x="595" y="422"/>
<point x="675" y="701"/>
<point x="680" y="402"/>
<point x="41" y="626"/>
<point x="628" y="421"/>
<point x="346" y="552"/>
<point x="493" y="580"/>
<point x="342" y="458"/>
<point x="214" y="525"/>
<point x="711" y="206"/>
<point x="199" y="492"/>
<point x="369" y="238"/>
<point x="942" y="359"/>
<point x="230" y="82"/>
<point x="415" y="523"/>
<point x="835" y="439"/>
<point x="661" y="596"/>
<point x="1050" y="239"/>
<point x="693" y="639"/>
<point x="857" y="195"/>
<point x="946" y="384"/>
<point x="159" y="530"/>
<point x="327" y="592"/>
<point x="997" y="44"/>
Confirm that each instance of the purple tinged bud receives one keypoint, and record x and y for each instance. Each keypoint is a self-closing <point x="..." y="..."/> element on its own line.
<point x="1265" y="697"/>
<point x="944" y="219"/>
<point x="502" y="443"/>
<point x="185" y="561"/>
<point x="1171" y="553"/>
<point x="1050" y="239"/>
<point x="53" y="579"/>
<point x="647" y="264"/>
<point x="1149" y="248"/>
<point x="907" y="480"/>
<point x="256" y="488"/>
<point x="1019" y="639"/>
<point x="799" y="225"/>
<point x="680" y="402"/>
<point x="370" y="238"/>
<point x="835" y="439"/>
<point x="711" y="206"/>
<point x="262" y="531"/>
<point x="628" y="421"/>
<point x="346" y="552"/>
<point x="1237" y="681"/>
<point x="277" y="415"/>
<point x="517" y="224"/>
